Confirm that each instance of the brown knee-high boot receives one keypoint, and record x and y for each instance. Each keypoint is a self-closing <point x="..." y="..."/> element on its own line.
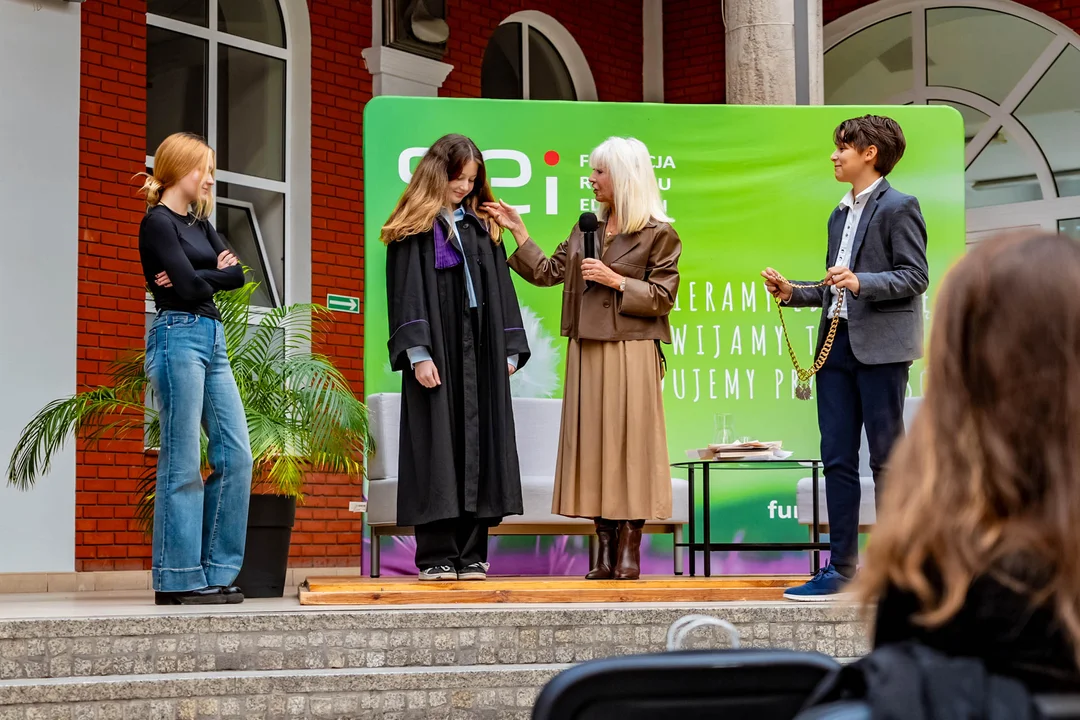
<point x="608" y="533"/>
<point x="628" y="566"/>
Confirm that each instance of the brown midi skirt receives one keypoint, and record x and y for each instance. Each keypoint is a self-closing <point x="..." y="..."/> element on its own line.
<point x="613" y="456"/>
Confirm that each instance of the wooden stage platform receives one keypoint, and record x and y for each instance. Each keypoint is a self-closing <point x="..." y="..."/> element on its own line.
<point x="517" y="589"/>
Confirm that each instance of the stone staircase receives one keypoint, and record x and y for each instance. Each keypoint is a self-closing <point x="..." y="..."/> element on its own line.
<point x="386" y="663"/>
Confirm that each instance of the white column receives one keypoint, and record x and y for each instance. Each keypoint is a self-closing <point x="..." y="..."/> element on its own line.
<point x="39" y="302"/>
<point x="395" y="72"/>
<point x="773" y="52"/>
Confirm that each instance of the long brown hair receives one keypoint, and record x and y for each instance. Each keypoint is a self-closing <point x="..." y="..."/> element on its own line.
<point x="425" y="196"/>
<point x="176" y="156"/>
<point x="988" y="481"/>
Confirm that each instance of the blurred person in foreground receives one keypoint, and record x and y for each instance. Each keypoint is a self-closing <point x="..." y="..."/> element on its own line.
<point x="977" y="549"/>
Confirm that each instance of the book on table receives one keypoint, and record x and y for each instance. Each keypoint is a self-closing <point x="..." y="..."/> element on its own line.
<point x="751" y="450"/>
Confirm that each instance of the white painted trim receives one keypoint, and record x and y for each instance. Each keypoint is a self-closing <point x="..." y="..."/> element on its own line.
<point x="252" y="181"/>
<point x="918" y="60"/>
<point x="652" y="53"/>
<point x="1045" y="213"/>
<point x="1012" y="101"/>
<point x="1014" y="127"/>
<point x="221" y="36"/>
<point x="526" y="64"/>
<point x="844" y="27"/>
<point x="981" y="140"/>
<point x="391" y="61"/>
<point x="297" y="283"/>
<point x="999" y="115"/>
<point x="568" y="48"/>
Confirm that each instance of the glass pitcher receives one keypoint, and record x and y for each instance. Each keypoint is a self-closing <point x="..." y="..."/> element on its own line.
<point x="724" y="429"/>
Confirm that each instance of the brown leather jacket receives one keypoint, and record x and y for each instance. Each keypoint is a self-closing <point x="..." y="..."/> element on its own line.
<point x="648" y="259"/>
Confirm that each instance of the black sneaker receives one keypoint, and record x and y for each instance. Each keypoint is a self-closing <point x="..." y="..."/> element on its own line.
<point x="439" y="572"/>
<point x="476" y="571"/>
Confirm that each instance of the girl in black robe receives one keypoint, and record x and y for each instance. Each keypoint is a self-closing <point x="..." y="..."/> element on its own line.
<point x="456" y="335"/>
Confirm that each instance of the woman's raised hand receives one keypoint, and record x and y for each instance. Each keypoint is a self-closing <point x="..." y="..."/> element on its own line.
<point x="506" y="216"/>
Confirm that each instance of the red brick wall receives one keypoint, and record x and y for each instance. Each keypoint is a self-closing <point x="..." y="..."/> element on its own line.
<point x="111" y="299"/>
<point x="608" y="31"/>
<point x="693" y="51"/>
<point x="112" y="148"/>
<point x="326" y="534"/>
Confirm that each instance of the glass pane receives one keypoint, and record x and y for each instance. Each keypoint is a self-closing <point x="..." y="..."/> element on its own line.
<point x="1070" y="227"/>
<point x="1051" y="112"/>
<point x="973" y="119"/>
<point x="500" y="73"/>
<point x="236" y="225"/>
<point x="175" y="85"/>
<point x="251" y="113"/>
<point x="872" y="65"/>
<point x="548" y="77"/>
<point x="1001" y="174"/>
<point x="189" y="11"/>
<point x="252" y="19"/>
<point x="270" y="214"/>
<point x="983" y="51"/>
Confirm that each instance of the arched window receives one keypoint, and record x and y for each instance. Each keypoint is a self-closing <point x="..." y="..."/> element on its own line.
<point x="221" y="68"/>
<point x="531" y="56"/>
<point x="1020" y="108"/>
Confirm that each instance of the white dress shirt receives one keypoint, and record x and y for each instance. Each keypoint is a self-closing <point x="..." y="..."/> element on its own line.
<point x="855" y="205"/>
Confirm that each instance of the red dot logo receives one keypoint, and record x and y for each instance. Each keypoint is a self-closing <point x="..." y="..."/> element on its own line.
<point x="551" y="157"/>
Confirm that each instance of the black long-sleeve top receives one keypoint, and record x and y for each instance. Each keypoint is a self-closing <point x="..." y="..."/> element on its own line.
<point x="997" y="625"/>
<point x="188" y="253"/>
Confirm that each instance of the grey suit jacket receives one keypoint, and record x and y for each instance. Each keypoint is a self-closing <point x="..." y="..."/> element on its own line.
<point x="888" y="254"/>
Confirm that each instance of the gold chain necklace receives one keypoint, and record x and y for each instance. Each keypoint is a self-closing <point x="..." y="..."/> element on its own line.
<point x="802" y="390"/>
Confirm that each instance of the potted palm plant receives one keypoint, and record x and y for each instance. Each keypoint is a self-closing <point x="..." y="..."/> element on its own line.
<point x="302" y="418"/>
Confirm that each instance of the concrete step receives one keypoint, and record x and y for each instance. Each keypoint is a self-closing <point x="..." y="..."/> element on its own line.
<point x="433" y="637"/>
<point x="474" y="693"/>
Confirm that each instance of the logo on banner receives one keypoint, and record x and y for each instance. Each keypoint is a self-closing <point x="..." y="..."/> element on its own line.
<point x="524" y="174"/>
<point x="522" y="178"/>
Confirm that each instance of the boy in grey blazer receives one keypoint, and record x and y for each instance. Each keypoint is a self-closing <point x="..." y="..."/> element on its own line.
<point x="877" y="253"/>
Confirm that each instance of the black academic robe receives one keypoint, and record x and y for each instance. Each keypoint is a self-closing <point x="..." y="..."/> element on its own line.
<point x="458" y="454"/>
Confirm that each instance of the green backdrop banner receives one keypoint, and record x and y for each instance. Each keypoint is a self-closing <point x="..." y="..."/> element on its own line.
<point x="748" y="186"/>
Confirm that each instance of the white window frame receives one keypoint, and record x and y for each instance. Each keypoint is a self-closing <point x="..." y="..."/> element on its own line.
<point x="565" y="44"/>
<point x="1044" y="213"/>
<point x="296" y="187"/>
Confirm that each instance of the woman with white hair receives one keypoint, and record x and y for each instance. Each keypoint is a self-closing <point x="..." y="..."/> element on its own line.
<point x="613" y="457"/>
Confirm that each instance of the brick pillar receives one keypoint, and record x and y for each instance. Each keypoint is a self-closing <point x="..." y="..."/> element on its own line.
<point x="112" y="148"/>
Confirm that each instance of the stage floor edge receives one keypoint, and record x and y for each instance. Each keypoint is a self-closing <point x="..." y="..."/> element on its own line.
<point x="520" y="589"/>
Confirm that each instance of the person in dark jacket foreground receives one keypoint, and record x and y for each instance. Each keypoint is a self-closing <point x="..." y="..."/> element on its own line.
<point x="977" y="552"/>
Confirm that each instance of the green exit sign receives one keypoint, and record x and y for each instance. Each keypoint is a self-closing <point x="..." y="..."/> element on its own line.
<point x="343" y="303"/>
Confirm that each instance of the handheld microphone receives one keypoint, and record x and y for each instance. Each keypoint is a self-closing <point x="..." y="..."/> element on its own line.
<point x="588" y="224"/>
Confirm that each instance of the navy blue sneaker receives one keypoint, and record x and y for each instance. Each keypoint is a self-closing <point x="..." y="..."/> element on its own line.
<point x="827" y="584"/>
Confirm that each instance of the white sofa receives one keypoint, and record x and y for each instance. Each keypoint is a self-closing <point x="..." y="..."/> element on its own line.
<point x="804" y="494"/>
<point x="536" y="421"/>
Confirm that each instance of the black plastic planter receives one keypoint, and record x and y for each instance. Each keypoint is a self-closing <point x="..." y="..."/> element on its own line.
<point x="266" y="556"/>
